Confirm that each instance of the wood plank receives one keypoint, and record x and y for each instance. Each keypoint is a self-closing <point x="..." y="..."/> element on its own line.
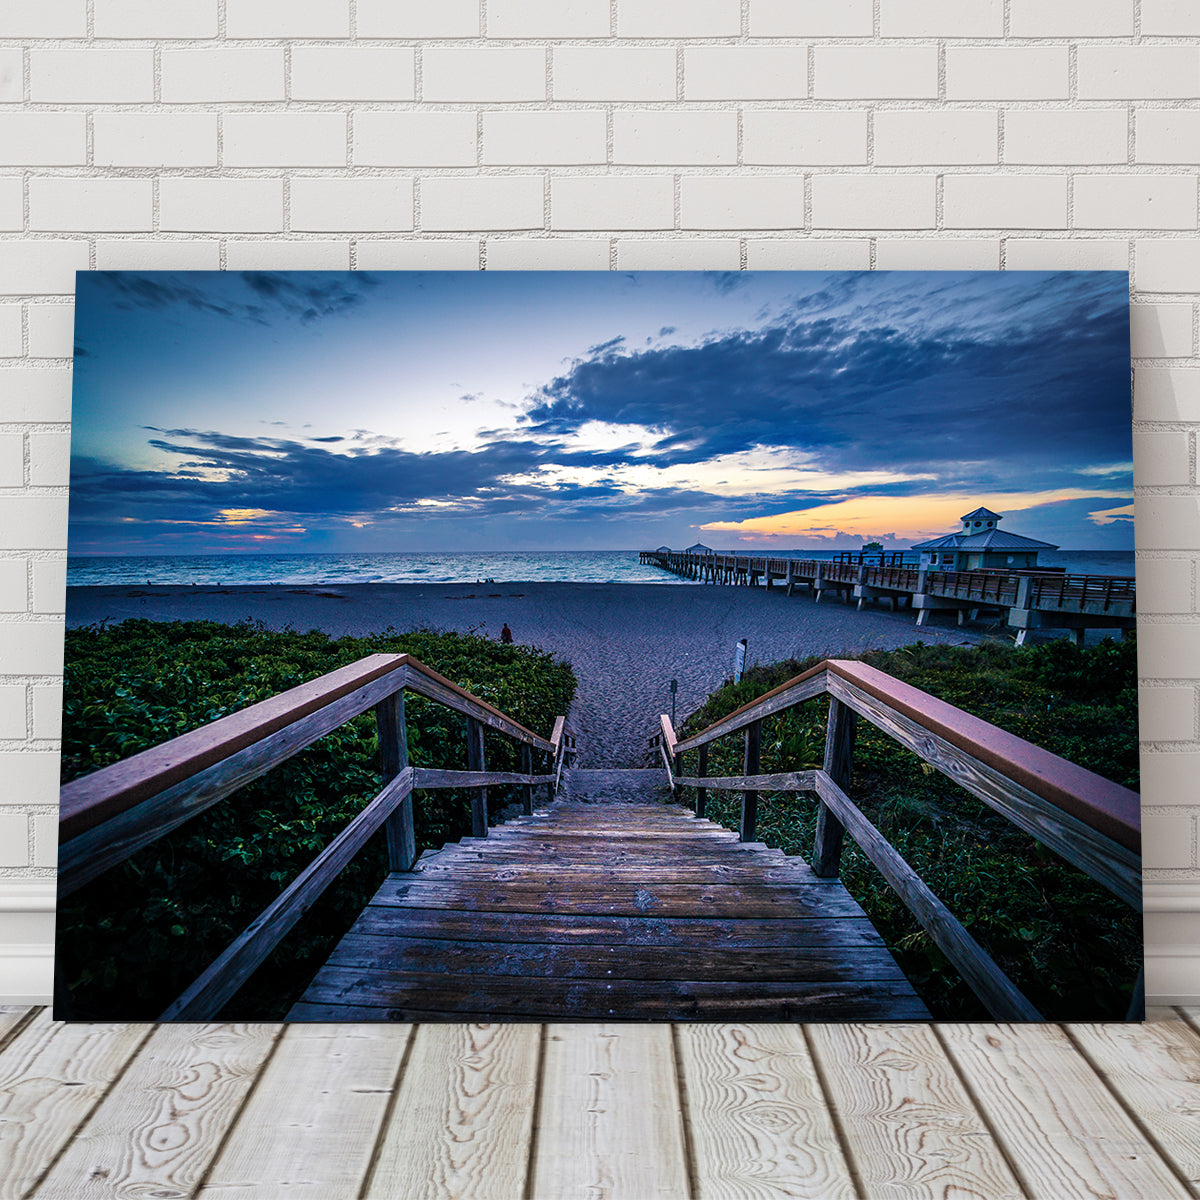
<point x="1062" y="1130"/>
<point x="311" y="1125"/>
<point x="51" y="1077"/>
<point x="909" y="1124"/>
<point x="759" y="1126"/>
<point x="1155" y="1069"/>
<point x="13" y="1018"/>
<point x="463" y="1116"/>
<point x="392" y="729"/>
<point x="780" y="781"/>
<point x="610" y="1124"/>
<point x="840" y="734"/>
<point x="427" y="779"/>
<point x="234" y="965"/>
<point x="159" y="1128"/>
<point x="660" y="874"/>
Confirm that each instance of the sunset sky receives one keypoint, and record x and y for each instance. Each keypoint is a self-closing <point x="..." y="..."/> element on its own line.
<point x="354" y="411"/>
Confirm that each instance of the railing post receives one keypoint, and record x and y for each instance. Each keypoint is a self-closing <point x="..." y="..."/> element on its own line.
<point x="393" y="758"/>
<point x="750" y="767"/>
<point x="839" y="755"/>
<point x="475" y="762"/>
<point x="527" y="769"/>
<point x="702" y="770"/>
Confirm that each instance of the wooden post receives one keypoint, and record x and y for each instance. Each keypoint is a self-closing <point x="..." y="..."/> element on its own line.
<point x="475" y="762"/>
<point x="702" y="770"/>
<point x="839" y="756"/>
<point x="750" y="767"/>
<point x="527" y="769"/>
<point x="393" y="758"/>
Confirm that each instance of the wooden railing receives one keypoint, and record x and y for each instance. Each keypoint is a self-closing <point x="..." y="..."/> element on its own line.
<point x="108" y="815"/>
<point x="1091" y="822"/>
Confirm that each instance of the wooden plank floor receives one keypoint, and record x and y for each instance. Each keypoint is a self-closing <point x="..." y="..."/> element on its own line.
<point x="616" y="1112"/>
<point x="592" y="912"/>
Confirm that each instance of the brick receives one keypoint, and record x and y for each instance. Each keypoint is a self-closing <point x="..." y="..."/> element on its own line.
<point x="43" y="139"/>
<point x="552" y="138"/>
<point x="91" y="76"/>
<point x="1004" y="202"/>
<point x="33" y="523"/>
<point x="14" y="585"/>
<point x="952" y="136"/>
<point x="547" y="254"/>
<point x="612" y="202"/>
<point x="492" y="202"/>
<point x="12" y="713"/>
<point x="1167" y="714"/>
<point x="416" y="139"/>
<point x="1129" y="201"/>
<point x="187" y="204"/>
<point x="350" y="205"/>
<point x="31" y="647"/>
<point x="51" y="330"/>
<point x="1170" y="18"/>
<point x="811" y="18"/>
<point x="1167" y="266"/>
<point x="1168" y="651"/>
<point x="287" y="18"/>
<point x="47" y="710"/>
<point x="941" y="18"/>
<point x="160" y="254"/>
<point x="41" y="267"/>
<point x="745" y="73"/>
<point x="257" y="255"/>
<point x="1164" y="586"/>
<point x="10" y="331"/>
<point x="784" y="137"/>
<point x="1169" y="779"/>
<point x="222" y="76"/>
<point x="937" y="254"/>
<point x="467" y="75"/>
<point x="30" y="394"/>
<point x="1167" y="523"/>
<point x="45" y="833"/>
<point x="12" y="206"/>
<point x="12" y="76"/>
<point x="111" y="205"/>
<point x="378" y="254"/>
<point x="49" y="585"/>
<point x="1167" y="840"/>
<point x="808" y="254"/>
<point x="1071" y="18"/>
<point x="1138" y="72"/>
<point x="12" y="460"/>
<point x="678" y="18"/>
<point x="613" y="73"/>
<point x="1007" y="73"/>
<point x="49" y="459"/>
<point x="873" y="202"/>
<point x="290" y="139"/>
<point x="691" y="254"/>
<point x="30" y="776"/>
<point x="1166" y="394"/>
<point x="878" y="72"/>
<point x="1161" y="459"/>
<point x="742" y="202"/>
<point x="358" y="73"/>
<point x="1160" y="330"/>
<point x="1166" y="135"/>
<point x="547" y="19"/>
<point x="46" y="19"/>
<point x="1065" y="254"/>
<point x="14" y="840"/>
<point x="156" y="18"/>
<point x="171" y="139"/>
<point x="652" y="137"/>
<point x="418" y="19"/>
<point x="1056" y="136"/>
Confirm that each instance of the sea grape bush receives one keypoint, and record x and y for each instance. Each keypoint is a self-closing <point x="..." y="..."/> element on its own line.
<point x="1068" y="944"/>
<point x="130" y="941"/>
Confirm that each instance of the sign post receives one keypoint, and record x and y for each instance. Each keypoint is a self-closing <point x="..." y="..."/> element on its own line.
<point x="739" y="660"/>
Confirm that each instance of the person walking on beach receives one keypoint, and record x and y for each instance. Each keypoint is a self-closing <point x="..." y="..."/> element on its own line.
<point x="506" y="635"/>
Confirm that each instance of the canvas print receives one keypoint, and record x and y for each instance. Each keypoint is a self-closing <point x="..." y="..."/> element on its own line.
<point x="600" y="646"/>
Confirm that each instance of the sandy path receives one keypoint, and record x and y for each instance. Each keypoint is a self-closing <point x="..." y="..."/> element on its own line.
<point x="626" y="642"/>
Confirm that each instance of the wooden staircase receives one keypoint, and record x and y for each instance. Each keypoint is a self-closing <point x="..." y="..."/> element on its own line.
<point x="610" y="904"/>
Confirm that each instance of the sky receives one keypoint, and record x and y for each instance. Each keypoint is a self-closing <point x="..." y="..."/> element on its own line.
<point x="284" y="412"/>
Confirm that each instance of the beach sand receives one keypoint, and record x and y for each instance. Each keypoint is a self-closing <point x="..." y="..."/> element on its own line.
<point x="626" y="642"/>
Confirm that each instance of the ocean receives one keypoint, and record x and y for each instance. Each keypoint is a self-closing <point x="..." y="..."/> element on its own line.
<point x="459" y="566"/>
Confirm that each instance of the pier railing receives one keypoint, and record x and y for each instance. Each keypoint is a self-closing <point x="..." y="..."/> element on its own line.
<point x="112" y="813"/>
<point x="1087" y="820"/>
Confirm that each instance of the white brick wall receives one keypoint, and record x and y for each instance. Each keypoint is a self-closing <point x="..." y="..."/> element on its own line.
<point x="585" y="135"/>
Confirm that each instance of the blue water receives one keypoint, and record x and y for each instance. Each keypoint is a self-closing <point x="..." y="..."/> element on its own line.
<point x="462" y="566"/>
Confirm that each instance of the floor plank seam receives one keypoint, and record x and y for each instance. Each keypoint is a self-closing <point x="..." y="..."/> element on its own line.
<point x="389" y="1108"/>
<point x="535" y="1117"/>
<point x="685" y="1117"/>
<point x="835" y="1116"/>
